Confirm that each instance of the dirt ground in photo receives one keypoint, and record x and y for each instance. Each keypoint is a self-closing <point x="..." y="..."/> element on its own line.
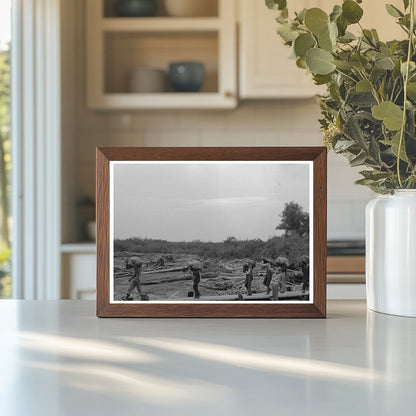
<point x="163" y="278"/>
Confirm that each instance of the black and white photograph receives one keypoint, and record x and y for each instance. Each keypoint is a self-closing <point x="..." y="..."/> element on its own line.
<point x="211" y="231"/>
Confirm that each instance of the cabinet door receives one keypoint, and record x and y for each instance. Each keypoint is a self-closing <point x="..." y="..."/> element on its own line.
<point x="265" y="68"/>
<point x="78" y="276"/>
<point x="376" y="17"/>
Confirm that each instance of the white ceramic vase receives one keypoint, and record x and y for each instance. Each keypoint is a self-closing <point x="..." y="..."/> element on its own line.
<point x="391" y="253"/>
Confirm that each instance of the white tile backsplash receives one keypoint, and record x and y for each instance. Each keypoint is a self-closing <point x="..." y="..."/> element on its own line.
<point x="174" y="138"/>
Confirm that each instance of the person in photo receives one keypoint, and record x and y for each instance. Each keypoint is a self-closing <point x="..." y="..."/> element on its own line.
<point x="283" y="264"/>
<point x="268" y="276"/>
<point x="195" y="268"/>
<point x="248" y="267"/>
<point x="304" y="265"/>
<point x="136" y="264"/>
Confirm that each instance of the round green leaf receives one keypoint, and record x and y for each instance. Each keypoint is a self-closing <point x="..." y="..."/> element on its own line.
<point x="336" y="12"/>
<point x="342" y="25"/>
<point x="363" y="86"/>
<point x="324" y="41"/>
<point x="358" y="61"/>
<point x="391" y="114"/>
<point x="394" y="146"/>
<point x="344" y="65"/>
<point x="384" y="62"/>
<point x="276" y="4"/>
<point x="322" y="79"/>
<point x="351" y="11"/>
<point x="333" y="32"/>
<point x="303" y="43"/>
<point x="328" y="38"/>
<point x="319" y="61"/>
<point x="301" y="15"/>
<point x="287" y="33"/>
<point x="301" y="63"/>
<point x="316" y="20"/>
<point x="411" y="90"/>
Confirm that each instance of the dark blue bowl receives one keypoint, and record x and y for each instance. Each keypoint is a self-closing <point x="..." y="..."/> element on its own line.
<point x="187" y="76"/>
<point x="135" y="8"/>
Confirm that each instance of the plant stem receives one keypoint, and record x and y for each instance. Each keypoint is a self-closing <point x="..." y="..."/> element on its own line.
<point x="373" y="88"/>
<point x="346" y="75"/>
<point x="406" y="80"/>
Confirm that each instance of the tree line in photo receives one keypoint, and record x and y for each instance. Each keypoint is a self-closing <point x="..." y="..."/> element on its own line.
<point x="293" y="244"/>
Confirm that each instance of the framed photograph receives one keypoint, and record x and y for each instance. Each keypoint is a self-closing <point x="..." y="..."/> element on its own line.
<point x="211" y="232"/>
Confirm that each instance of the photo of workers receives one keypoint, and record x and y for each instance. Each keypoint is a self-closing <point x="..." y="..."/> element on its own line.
<point x="211" y="231"/>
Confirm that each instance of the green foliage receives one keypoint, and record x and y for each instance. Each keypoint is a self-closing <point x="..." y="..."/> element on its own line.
<point x="276" y="4"/>
<point x="4" y="88"/>
<point x="319" y="61"/>
<point x="303" y="43"/>
<point x="351" y="11"/>
<point x="5" y="281"/>
<point x="5" y="143"/>
<point x="316" y="20"/>
<point x="389" y="113"/>
<point x="369" y="112"/>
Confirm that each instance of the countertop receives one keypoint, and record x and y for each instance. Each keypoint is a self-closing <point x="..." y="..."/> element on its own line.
<point x="57" y="358"/>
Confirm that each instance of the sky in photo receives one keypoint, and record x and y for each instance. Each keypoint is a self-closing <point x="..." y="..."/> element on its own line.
<point x="207" y="202"/>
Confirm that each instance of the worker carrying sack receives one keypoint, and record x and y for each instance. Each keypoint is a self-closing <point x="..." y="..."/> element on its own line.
<point x="248" y="264"/>
<point x="282" y="261"/>
<point x="195" y="265"/>
<point x="133" y="262"/>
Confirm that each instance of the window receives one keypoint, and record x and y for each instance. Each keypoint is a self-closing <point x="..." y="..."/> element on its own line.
<point x="5" y="147"/>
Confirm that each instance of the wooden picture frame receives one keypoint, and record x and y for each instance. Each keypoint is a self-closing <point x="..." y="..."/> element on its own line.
<point x="315" y="157"/>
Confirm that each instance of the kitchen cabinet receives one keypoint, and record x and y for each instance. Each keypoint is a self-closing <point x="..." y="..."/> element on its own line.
<point x="118" y="45"/>
<point x="265" y="69"/>
<point x="78" y="262"/>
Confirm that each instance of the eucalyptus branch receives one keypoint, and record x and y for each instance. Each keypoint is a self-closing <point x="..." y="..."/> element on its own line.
<point x="373" y="88"/>
<point x="404" y="28"/>
<point x="398" y="95"/>
<point x="381" y="106"/>
<point x="406" y="80"/>
<point x="392" y="91"/>
<point x="346" y="75"/>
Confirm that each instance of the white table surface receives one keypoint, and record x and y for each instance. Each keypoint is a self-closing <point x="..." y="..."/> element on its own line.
<point x="57" y="358"/>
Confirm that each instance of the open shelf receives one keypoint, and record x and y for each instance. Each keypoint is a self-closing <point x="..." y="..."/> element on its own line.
<point x="126" y="51"/>
<point x="160" y="24"/>
<point x="87" y="247"/>
<point x="166" y="101"/>
<point x="119" y="45"/>
<point x="211" y="9"/>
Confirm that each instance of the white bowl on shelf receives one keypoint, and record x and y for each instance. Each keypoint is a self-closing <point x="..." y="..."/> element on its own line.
<point x="147" y="81"/>
<point x="191" y="8"/>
